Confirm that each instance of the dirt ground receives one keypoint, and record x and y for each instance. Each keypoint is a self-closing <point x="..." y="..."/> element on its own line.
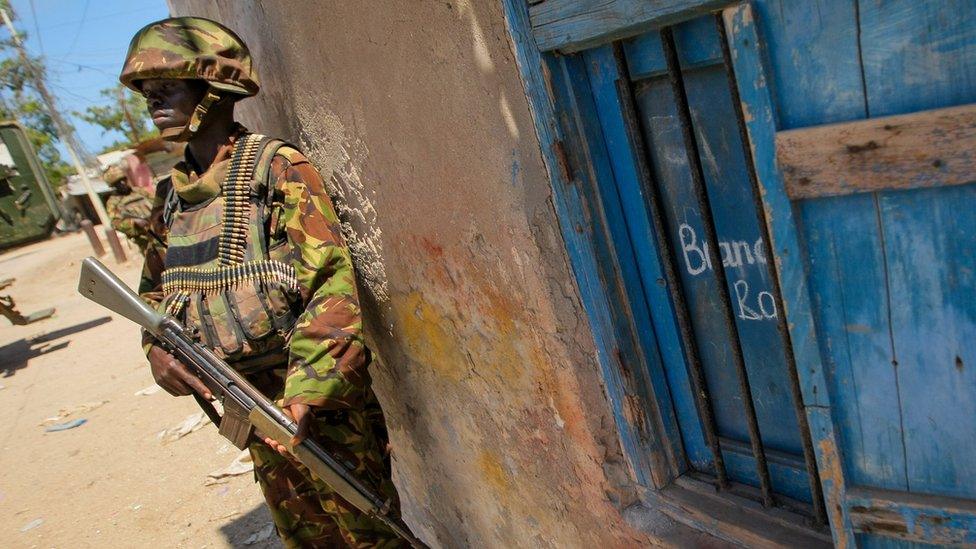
<point x="112" y="481"/>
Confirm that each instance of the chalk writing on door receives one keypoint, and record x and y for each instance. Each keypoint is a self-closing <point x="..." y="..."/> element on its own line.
<point x="749" y="304"/>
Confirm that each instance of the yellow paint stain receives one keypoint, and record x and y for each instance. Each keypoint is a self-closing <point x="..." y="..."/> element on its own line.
<point x="493" y="471"/>
<point x="428" y="334"/>
<point x="470" y="328"/>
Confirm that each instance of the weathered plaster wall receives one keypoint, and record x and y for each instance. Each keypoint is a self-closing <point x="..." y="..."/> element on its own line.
<point x="489" y="379"/>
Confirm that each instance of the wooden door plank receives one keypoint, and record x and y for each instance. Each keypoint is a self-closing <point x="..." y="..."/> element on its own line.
<point x="922" y="55"/>
<point x="670" y="170"/>
<point x="573" y="25"/>
<point x="757" y="101"/>
<point x="745" y="258"/>
<point x="819" y="79"/>
<point x="918" y="55"/>
<point x="914" y="518"/>
<point x="741" y="245"/>
<point x="921" y="149"/>
<point x="669" y="374"/>
<point x="929" y="245"/>
<point x="847" y="279"/>
<point x="813" y="55"/>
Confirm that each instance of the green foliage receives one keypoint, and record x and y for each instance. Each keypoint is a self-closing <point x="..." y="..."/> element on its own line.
<point x="124" y="114"/>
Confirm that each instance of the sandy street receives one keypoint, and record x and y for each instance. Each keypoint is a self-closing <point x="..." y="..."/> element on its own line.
<point x="112" y="481"/>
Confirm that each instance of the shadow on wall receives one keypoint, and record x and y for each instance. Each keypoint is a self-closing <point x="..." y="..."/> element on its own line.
<point x="14" y="356"/>
<point x="253" y="529"/>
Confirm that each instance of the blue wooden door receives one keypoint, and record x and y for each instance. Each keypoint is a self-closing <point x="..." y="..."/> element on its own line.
<point x="748" y="428"/>
<point x="863" y="298"/>
<point x="787" y="191"/>
<point x="892" y="273"/>
<point x="741" y="248"/>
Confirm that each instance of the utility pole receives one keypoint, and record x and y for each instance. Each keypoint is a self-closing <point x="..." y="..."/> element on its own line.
<point x="134" y="134"/>
<point x="67" y="136"/>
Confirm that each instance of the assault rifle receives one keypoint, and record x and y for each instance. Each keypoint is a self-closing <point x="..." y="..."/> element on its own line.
<point x="245" y="408"/>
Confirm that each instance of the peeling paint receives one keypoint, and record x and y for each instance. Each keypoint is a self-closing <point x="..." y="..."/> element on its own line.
<point x="350" y="195"/>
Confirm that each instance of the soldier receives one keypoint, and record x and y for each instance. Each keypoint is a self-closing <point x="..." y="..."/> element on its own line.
<point x="9" y="310"/>
<point x="254" y="262"/>
<point x="129" y="208"/>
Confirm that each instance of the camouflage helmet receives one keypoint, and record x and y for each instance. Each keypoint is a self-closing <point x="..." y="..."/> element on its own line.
<point x="190" y="48"/>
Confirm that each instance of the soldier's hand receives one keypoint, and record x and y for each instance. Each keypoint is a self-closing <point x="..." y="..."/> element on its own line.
<point x="172" y="375"/>
<point x="302" y="415"/>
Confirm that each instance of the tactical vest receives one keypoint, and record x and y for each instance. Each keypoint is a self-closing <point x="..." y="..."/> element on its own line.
<point x="220" y="279"/>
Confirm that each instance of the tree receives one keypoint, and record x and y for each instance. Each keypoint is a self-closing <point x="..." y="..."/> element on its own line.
<point x="124" y="113"/>
<point x="20" y="101"/>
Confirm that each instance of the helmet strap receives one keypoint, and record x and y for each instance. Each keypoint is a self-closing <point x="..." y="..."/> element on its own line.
<point x="184" y="133"/>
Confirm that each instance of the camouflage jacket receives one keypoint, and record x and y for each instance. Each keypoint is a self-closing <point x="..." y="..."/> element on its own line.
<point x="327" y="364"/>
<point x="124" y="210"/>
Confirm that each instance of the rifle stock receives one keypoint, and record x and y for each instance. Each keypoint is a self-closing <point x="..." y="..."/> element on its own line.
<point x="100" y="285"/>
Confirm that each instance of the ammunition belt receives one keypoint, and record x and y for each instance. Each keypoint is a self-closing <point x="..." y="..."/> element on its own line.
<point x="237" y="200"/>
<point x="204" y="279"/>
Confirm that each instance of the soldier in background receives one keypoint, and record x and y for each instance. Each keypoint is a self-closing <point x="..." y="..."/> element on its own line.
<point x="255" y="264"/>
<point x="129" y="208"/>
<point x="9" y="310"/>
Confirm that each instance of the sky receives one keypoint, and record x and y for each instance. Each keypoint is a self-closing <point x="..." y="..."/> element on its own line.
<point x="83" y="43"/>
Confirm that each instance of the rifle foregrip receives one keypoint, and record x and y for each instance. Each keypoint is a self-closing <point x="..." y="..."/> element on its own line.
<point x="272" y="429"/>
<point x="309" y="454"/>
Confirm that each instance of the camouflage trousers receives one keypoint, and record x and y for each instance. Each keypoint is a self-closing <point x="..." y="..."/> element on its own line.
<point x="306" y="511"/>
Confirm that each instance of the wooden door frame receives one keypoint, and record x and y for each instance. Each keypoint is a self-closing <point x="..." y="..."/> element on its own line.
<point x="573" y="25"/>
<point x="648" y="437"/>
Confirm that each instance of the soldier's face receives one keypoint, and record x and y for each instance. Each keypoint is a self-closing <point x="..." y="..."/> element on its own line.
<point x="171" y="101"/>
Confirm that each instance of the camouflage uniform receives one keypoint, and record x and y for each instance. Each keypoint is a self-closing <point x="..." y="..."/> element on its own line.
<point x="319" y="358"/>
<point x="126" y="210"/>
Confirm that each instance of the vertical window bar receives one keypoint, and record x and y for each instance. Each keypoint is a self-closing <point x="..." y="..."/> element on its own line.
<point x="701" y="196"/>
<point x="703" y="400"/>
<point x="816" y="491"/>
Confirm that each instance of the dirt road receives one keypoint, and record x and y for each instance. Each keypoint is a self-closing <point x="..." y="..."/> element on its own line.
<point x="112" y="481"/>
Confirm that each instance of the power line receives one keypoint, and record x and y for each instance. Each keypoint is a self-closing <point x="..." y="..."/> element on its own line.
<point x="88" y="67"/>
<point x="99" y="18"/>
<point x="37" y="28"/>
<point x="81" y="27"/>
<point x="79" y="97"/>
